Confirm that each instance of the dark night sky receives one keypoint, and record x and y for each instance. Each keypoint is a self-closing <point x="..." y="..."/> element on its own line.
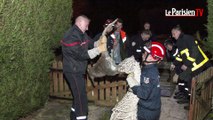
<point x="135" y="12"/>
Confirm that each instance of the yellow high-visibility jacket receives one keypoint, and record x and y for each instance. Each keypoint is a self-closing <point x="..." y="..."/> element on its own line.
<point x="191" y="53"/>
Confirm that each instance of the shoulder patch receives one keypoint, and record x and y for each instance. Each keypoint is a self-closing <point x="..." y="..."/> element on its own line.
<point x="146" y="80"/>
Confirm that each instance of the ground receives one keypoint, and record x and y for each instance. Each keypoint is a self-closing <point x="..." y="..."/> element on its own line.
<point x="59" y="110"/>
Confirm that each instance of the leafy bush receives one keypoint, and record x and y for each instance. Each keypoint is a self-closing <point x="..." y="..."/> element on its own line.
<point x="210" y="26"/>
<point x="30" y="29"/>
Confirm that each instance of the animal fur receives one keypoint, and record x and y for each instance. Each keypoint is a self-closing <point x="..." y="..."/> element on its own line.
<point x="105" y="64"/>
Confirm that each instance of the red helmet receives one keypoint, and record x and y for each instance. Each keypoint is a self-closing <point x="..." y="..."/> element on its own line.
<point x="156" y="49"/>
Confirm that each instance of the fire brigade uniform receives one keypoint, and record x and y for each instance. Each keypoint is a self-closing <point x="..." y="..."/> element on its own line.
<point x="172" y="55"/>
<point x="175" y="58"/>
<point x="192" y="56"/>
<point x="149" y="94"/>
<point x="136" y="47"/>
<point x="182" y="84"/>
<point x="74" y="48"/>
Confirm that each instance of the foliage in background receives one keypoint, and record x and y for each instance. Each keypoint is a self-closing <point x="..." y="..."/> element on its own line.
<point x="210" y="26"/>
<point x="30" y="29"/>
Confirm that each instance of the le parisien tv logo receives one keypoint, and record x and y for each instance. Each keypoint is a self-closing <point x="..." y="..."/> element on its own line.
<point x="197" y="12"/>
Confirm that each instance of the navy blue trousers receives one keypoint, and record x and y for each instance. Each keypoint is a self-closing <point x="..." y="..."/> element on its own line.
<point x="78" y="88"/>
<point x="146" y="114"/>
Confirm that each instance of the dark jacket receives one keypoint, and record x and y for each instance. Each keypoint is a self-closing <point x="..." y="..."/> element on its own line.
<point x="149" y="90"/>
<point x="192" y="55"/>
<point x="75" y="45"/>
<point x="135" y="47"/>
<point x="170" y="55"/>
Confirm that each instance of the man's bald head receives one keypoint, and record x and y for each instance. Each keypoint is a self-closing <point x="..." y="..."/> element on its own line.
<point x="82" y="22"/>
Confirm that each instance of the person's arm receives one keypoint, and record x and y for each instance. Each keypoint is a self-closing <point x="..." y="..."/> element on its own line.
<point x="80" y="53"/>
<point x="100" y="46"/>
<point x="144" y="90"/>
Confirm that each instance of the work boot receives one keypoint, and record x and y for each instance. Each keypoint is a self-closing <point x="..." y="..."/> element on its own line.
<point x="179" y="96"/>
<point x="72" y="115"/>
<point x="178" y="93"/>
<point x="183" y="101"/>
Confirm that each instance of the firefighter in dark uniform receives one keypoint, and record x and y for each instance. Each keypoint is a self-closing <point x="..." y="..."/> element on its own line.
<point x="148" y="92"/>
<point x="193" y="58"/>
<point x="75" y="49"/>
<point x="173" y="55"/>
<point x="137" y="43"/>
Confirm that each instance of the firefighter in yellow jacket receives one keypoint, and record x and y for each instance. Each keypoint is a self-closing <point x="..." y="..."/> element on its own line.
<point x="193" y="58"/>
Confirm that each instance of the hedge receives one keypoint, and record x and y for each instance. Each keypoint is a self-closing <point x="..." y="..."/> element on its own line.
<point x="30" y="29"/>
<point x="210" y="26"/>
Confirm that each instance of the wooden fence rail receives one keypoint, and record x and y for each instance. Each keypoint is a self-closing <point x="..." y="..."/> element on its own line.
<point x="201" y="97"/>
<point x="107" y="91"/>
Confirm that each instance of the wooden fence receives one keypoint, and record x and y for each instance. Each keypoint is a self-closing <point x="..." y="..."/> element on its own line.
<point x="201" y="97"/>
<point x="107" y="91"/>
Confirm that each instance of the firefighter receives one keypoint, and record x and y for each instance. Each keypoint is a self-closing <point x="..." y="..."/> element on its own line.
<point x="174" y="56"/>
<point x="137" y="43"/>
<point x="147" y="26"/>
<point x="193" y="58"/>
<point x="76" y="51"/>
<point x="148" y="92"/>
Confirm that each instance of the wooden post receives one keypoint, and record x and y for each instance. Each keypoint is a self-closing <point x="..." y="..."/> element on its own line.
<point x="61" y="80"/>
<point x="101" y="90"/>
<point x="55" y="78"/>
<point x="90" y="89"/>
<point x="51" y="82"/>
<point x="107" y="82"/>
<point x="192" y="100"/>
<point x="96" y="91"/>
<point x="114" y="90"/>
<point x="200" y="103"/>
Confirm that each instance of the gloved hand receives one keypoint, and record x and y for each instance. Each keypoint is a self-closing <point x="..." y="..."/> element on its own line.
<point x="102" y="47"/>
<point x="102" y="39"/>
<point x="183" y="67"/>
<point x="175" y="78"/>
<point x="131" y="80"/>
<point x="172" y="67"/>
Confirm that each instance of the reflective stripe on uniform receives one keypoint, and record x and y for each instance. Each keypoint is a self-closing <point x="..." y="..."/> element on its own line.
<point x="186" y="51"/>
<point x="81" y="117"/>
<point x="178" y="59"/>
<point x="196" y="66"/>
<point x="176" y="52"/>
<point x="181" y="84"/>
<point x="186" y="89"/>
<point x="72" y="109"/>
